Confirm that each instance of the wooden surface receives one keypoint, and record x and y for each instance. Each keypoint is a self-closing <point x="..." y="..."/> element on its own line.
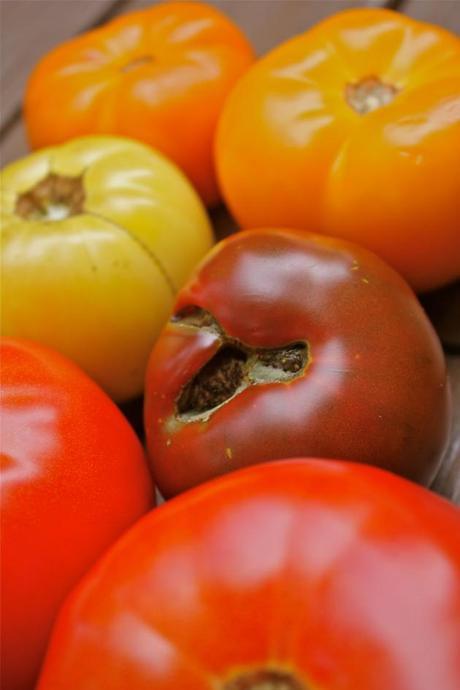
<point x="29" y="28"/>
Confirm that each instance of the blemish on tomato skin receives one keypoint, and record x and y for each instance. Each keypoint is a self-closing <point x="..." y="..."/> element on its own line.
<point x="229" y="453"/>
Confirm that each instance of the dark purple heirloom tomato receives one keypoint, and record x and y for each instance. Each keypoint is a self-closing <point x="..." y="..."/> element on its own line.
<point x="285" y="344"/>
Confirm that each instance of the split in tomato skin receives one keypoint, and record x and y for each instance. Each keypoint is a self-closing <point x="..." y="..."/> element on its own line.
<point x="364" y="376"/>
<point x="303" y="574"/>
<point x="73" y="478"/>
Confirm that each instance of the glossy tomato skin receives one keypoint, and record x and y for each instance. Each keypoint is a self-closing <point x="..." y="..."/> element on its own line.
<point x="99" y="284"/>
<point x="343" y="575"/>
<point x="374" y="388"/>
<point x="73" y="478"/>
<point x="159" y="75"/>
<point x="386" y="179"/>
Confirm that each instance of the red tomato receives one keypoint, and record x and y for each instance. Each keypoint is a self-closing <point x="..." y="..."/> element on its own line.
<point x="285" y="344"/>
<point x="289" y="576"/>
<point x="73" y="478"/>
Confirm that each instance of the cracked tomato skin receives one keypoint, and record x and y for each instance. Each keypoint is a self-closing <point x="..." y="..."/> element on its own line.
<point x="387" y="179"/>
<point x="343" y="575"/>
<point x="374" y="389"/>
<point x="99" y="285"/>
<point x="160" y="75"/>
<point x="73" y="478"/>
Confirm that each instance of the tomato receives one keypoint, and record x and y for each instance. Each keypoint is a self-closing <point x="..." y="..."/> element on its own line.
<point x="98" y="235"/>
<point x="160" y="75"/>
<point x="285" y="344"/>
<point x="290" y="576"/>
<point x="73" y="478"/>
<point x="353" y="130"/>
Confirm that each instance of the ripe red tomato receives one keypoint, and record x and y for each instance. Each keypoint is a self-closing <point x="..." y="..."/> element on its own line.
<point x="289" y="576"/>
<point x="73" y="478"/>
<point x="286" y="344"/>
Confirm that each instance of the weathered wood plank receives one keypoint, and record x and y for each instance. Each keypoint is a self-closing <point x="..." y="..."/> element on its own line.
<point x="447" y="481"/>
<point x="30" y="29"/>
<point x="268" y="22"/>
<point x="446" y="13"/>
<point x="13" y="143"/>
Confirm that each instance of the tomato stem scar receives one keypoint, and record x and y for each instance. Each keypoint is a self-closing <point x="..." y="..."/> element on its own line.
<point x="264" y="680"/>
<point x="54" y="198"/>
<point x="369" y="94"/>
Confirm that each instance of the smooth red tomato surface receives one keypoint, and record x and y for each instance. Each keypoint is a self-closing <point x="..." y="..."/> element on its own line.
<point x="73" y="478"/>
<point x="298" y="575"/>
<point x="285" y="344"/>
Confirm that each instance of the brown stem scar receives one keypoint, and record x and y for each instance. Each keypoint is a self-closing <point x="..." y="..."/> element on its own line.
<point x="54" y="198"/>
<point x="233" y="368"/>
<point x="264" y="680"/>
<point x="369" y="94"/>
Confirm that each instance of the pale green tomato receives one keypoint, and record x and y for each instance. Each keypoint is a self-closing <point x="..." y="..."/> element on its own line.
<point x="97" y="237"/>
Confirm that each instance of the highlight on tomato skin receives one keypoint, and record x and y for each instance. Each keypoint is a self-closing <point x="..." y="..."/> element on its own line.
<point x="297" y="574"/>
<point x="73" y="477"/>
<point x="355" y="128"/>
<point x="159" y="75"/>
<point x="284" y="344"/>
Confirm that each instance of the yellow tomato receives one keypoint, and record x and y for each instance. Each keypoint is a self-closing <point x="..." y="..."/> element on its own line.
<point x="97" y="235"/>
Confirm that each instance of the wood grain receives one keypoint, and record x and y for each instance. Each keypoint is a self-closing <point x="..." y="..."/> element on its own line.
<point x="446" y="13"/>
<point x="13" y="142"/>
<point x="268" y="22"/>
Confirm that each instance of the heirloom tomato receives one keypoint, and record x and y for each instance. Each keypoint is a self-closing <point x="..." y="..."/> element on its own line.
<point x="98" y="235"/>
<point x="73" y="478"/>
<point x="286" y="344"/>
<point x="300" y="575"/>
<point x="353" y="130"/>
<point x="160" y="75"/>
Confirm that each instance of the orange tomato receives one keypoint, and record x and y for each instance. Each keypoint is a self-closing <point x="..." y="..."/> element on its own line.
<point x="160" y="75"/>
<point x="353" y="130"/>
